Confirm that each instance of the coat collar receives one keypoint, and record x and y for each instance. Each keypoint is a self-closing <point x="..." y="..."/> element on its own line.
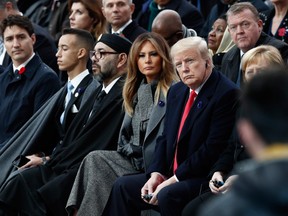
<point x="31" y="68"/>
<point x="158" y="113"/>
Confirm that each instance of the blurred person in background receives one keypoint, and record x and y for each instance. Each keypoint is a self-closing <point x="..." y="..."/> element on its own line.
<point x="191" y="17"/>
<point x="87" y="15"/>
<point x="169" y="25"/>
<point x="275" y="20"/>
<point x="118" y="14"/>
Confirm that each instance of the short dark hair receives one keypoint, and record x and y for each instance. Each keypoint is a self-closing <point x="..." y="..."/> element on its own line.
<point x="265" y="104"/>
<point x="84" y="37"/>
<point x="18" y="20"/>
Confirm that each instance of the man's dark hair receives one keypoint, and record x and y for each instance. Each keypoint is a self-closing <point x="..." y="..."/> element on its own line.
<point x="21" y="21"/>
<point x="265" y="104"/>
<point x="18" y="20"/>
<point x="83" y="37"/>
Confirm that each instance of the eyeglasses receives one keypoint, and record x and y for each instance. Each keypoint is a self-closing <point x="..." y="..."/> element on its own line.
<point x="100" y="55"/>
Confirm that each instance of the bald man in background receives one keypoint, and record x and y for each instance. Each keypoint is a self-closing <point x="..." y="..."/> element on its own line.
<point x="168" y="24"/>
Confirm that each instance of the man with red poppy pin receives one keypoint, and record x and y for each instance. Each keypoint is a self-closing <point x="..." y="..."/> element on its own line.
<point x="22" y="70"/>
<point x="49" y="125"/>
<point x="27" y="82"/>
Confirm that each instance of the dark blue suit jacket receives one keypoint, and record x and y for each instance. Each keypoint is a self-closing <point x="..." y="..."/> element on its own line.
<point x="21" y="97"/>
<point x="205" y="133"/>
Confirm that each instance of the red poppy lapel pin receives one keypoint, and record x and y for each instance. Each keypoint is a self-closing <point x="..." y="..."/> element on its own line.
<point x="22" y="70"/>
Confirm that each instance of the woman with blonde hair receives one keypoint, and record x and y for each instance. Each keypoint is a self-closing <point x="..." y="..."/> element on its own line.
<point x="87" y="15"/>
<point x="258" y="58"/>
<point x="150" y="74"/>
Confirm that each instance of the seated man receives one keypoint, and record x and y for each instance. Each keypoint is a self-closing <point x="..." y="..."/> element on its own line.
<point x="245" y="27"/>
<point x="119" y="17"/>
<point x="188" y="147"/>
<point x="44" y="46"/>
<point x="44" y="189"/>
<point x="27" y="83"/>
<point x="53" y="119"/>
<point x="143" y="123"/>
<point x="261" y="189"/>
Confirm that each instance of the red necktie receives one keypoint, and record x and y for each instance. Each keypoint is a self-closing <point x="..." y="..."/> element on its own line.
<point x="188" y="106"/>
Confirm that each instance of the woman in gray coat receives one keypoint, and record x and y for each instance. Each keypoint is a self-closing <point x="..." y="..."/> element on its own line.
<point x="150" y="74"/>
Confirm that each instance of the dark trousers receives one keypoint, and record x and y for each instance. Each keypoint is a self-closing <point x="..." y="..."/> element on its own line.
<point x="194" y="205"/>
<point x="18" y="194"/>
<point x="125" y="198"/>
<point x="36" y="191"/>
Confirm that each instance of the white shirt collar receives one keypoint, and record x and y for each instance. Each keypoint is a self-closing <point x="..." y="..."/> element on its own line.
<point x="76" y="80"/>
<point x="23" y="64"/>
<point x="109" y="87"/>
<point x="120" y="30"/>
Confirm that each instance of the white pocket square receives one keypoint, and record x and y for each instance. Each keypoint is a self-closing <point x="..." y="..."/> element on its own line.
<point x="74" y="109"/>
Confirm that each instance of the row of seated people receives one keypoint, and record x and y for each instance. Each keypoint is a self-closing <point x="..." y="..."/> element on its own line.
<point x="89" y="131"/>
<point x="91" y="16"/>
<point x="47" y="53"/>
<point x="91" y="172"/>
<point x="144" y="11"/>
<point x="177" y="35"/>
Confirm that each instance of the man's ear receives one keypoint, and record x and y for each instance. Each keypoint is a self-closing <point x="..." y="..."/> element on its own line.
<point x="81" y="53"/>
<point x="132" y="8"/>
<point x="33" y="37"/>
<point x="260" y="24"/>
<point x="122" y="60"/>
<point x="103" y="12"/>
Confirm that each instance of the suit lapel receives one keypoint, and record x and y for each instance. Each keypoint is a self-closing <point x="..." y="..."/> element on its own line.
<point x="114" y="94"/>
<point x="158" y="113"/>
<point x="73" y="105"/>
<point x="76" y="96"/>
<point x="60" y="107"/>
<point x="200" y="103"/>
